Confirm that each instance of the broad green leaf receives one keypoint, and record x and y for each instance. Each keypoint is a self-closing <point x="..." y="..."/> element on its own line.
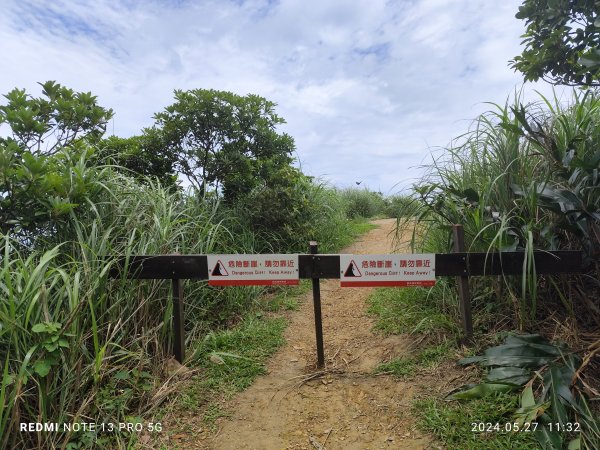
<point x="480" y="390"/>
<point x="42" y="367"/>
<point x="50" y="346"/>
<point x="531" y="413"/>
<point x="508" y="375"/>
<point x="549" y="440"/>
<point x="575" y="444"/>
<point x="8" y="379"/>
<point x="39" y="328"/>
<point x="513" y="361"/>
<point x="556" y="383"/>
<point x="527" y="399"/>
<point x="122" y="375"/>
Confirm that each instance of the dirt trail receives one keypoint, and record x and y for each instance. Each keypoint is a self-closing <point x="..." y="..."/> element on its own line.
<point x="349" y="407"/>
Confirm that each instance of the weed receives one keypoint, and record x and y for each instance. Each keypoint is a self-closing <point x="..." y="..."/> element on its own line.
<point x="431" y="356"/>
<point x="232" y="359"/>
<point x="285" y="297"/>
<point x="409" y="311"/>
<point x="398" y="367"/>
<point x="406" y="367"/>
<point x="458" y="424"/>
<point x="213" y="412"/>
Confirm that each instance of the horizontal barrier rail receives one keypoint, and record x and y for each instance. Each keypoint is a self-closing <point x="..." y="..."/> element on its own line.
<point x="317" y="266"/>
<point x="195" y="267"/>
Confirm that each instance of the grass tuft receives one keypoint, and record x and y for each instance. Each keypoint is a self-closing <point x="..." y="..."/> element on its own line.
<point x="398" y="367"/>
<point x="232" y="359"/>
<point x="409" y="311"/>
<point x="453" y="422"/>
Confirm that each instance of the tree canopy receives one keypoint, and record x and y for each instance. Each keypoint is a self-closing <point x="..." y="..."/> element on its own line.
<point x="142" y="156"/>
<point x="39" y="181"/>
<point x="223" y="141"/>
<point x="562" y="42"/>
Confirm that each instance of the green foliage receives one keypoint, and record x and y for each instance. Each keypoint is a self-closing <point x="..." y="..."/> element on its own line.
<point x="43" y="163"/>
<point x="224" y="141"/>
<point x="456" y="424"/>
<point x="561" y="400"/>
<point x="399" y="206"/>
<point x="232" y="359"/>
<point x="412" y="310"/>
<point x="77" y="344"/>
<point x="562" y="42"/>
<point x="46" y="124"/>
<point x="281" y="208"/>
<point x="59" y="293"/>
<point x="398" y="367"/>
<point x="88" y="333"/>
<point x="524" y="178"/>
<point x="292" y="211"/>
<point x="53" y="339"/>
<point x="143" y="156"/>
<point x="362" y="203"/>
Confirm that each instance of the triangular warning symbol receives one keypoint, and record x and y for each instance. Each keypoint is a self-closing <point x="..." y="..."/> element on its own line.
<point x="352" y="270"/>
<point x="219" y="270"/>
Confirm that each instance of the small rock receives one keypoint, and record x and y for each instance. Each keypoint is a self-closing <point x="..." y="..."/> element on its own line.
<point x="216" y="359"/>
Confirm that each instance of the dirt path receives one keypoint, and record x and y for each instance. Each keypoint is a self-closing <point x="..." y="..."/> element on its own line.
<point x="349" y="407"/>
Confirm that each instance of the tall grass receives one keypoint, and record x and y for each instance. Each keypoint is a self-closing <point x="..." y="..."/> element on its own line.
<point x="524" y="177"/>
<point x="77" y="345"/>
<point x="363" y="203"/>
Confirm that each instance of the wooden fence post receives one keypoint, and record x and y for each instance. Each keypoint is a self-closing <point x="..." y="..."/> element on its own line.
<point x="462" y="282"/>
<point x="317" y="306"/>
<point x="178" y="326"/>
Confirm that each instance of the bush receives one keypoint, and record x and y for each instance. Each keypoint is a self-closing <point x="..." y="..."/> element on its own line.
<point x="291" y="212"/>
<point x="523" y="178"/>
<point x="362" y="203"/>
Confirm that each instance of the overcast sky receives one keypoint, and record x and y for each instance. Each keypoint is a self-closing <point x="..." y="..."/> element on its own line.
<point x="368" y="87"/>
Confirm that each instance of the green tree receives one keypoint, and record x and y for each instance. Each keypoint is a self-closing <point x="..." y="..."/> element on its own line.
<point x="39" y="179"/>
<point x="562" y="42"/>
<point x="224" y="141"/>
<point x="142" y="156"/>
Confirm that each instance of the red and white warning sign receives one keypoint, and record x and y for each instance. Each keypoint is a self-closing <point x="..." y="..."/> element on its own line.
<point x="252" y="270"/>
<point x="403" y="270"/>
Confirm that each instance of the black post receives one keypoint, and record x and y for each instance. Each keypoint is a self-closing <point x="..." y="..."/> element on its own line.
<point x="317" y="306"/>
<point x="178" y="330"/>
<point x="463" y="284"/>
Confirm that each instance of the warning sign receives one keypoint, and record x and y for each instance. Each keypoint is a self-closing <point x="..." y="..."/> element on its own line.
<point x="252" y="270"/>
<point x="402" y="270"/>
<point x="219" y="270"/>
<point x="352" y="270"/>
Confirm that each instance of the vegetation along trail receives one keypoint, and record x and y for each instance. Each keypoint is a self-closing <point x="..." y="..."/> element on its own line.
<point x="345" y="406"/>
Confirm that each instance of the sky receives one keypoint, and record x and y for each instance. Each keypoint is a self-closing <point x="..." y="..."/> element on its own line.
<point x="368" y="88"/>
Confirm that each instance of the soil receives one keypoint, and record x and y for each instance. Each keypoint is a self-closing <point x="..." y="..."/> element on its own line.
<point x="344" y="406"/>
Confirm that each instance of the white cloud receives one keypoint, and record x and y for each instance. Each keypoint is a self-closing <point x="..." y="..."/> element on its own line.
<point x="365" y="86"/>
